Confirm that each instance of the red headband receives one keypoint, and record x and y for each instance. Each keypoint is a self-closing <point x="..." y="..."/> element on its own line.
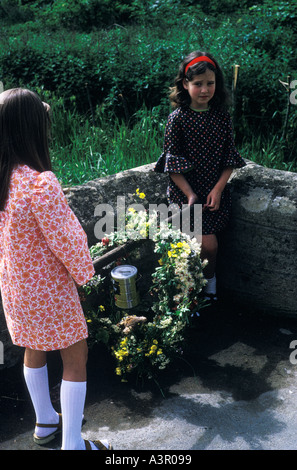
<point x="202" y="58"/>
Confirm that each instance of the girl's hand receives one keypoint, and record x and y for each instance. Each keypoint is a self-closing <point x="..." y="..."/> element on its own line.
<point x="192" y="198"/>
<point x="213" y="200"/>
<point x="183" y="185"/>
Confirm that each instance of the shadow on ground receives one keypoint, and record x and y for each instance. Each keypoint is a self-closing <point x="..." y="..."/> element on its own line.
<point x="229" y="352"/>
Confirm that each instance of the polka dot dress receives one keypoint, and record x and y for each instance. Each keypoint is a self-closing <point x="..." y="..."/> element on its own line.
<point x="200" y="145"/>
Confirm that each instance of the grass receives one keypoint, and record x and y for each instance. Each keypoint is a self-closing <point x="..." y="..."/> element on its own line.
<point x="82" y="151"/>
<point x="271" y="152"/>
<point x="84" y="148"/>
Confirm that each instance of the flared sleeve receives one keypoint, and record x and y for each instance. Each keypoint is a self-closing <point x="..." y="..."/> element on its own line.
<point x="231" y="156"/>
<point x="172" y="159"/>
<point x="61" y="228"/>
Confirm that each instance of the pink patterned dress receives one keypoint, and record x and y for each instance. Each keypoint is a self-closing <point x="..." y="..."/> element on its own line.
<point x="43" y="250"/>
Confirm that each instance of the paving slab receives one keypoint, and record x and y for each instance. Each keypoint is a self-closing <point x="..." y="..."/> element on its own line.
<point x="235" y="389"/>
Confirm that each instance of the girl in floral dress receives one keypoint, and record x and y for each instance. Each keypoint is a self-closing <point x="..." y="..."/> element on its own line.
<point x="43" y="255"/>
<point x="199" y="153"/>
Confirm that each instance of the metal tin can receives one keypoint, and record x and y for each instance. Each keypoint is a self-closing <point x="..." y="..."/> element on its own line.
<point x="124" y="284"/>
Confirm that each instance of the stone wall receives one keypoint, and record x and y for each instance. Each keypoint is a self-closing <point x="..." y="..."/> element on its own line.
<point x="257" y="264"/>
<point x="258" y="258"/>
<point x="84" y="199"/>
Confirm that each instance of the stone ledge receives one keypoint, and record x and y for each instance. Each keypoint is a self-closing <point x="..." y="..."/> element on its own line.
<point x="257" y="263"/>
<point x="83" y="199"/>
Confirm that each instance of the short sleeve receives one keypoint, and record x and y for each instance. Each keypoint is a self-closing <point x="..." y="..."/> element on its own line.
<point x="172" y="159"/>
<point x="231" y="156"/>
<point x="61" y="228"/>
<point x="168" y="163"/>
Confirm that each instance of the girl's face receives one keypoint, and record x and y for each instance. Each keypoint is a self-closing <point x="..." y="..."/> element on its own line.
<point x="201" y="89"/>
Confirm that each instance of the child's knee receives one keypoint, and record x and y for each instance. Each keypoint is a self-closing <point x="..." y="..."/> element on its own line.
<point x="210" y="247"/>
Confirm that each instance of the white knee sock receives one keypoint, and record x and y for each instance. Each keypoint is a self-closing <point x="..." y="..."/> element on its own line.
<point x="37" y="383"/>
<point x="72" y="396"/>
<point x="211" y="286"/>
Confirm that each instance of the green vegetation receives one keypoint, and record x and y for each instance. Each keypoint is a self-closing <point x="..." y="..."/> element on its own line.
<point x="106" y="66"/>
<point x="82" y="152"/>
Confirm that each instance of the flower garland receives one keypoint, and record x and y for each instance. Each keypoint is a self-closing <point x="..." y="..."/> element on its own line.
<point x="150" y="344"/>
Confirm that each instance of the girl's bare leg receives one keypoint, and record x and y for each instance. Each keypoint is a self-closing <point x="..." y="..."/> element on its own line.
<point x="36" y="378"/>
<point x="34" y="359"/>
<point x="75" y="361"/>
<point x="209" y="251"/>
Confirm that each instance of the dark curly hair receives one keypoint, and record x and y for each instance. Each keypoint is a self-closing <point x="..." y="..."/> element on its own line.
<point x="179" y="96"/>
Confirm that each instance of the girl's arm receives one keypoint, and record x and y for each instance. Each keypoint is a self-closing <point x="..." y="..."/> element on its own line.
<point x="183" y="185"/>
<point x="213" y="199"/>
<point x="61" y="228"/>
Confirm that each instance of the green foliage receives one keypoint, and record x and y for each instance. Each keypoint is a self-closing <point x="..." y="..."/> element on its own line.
<point x="81" y="152"/>
<point x="118" y="57"/>
<point x="85" y="15"/>
<point x="12" y="11"/>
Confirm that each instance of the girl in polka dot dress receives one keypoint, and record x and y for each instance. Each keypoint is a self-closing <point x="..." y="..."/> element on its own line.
<point x="199" y="153"/>
<point x="43" y="256"/>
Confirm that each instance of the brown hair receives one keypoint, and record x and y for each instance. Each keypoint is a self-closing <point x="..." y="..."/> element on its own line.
<point x="179" y="96"/>
<point x="24" y="126"/>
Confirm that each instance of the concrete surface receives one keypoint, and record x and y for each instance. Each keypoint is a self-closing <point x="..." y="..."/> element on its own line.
<point x="235" y="389"/>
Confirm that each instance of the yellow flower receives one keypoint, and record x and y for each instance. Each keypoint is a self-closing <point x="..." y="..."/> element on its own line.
<point x="153" y="349"/>
<point x="131" y="209"/>
<point x="124" y="342"/>
<point x="101" y="308"/>
<point x="118" y="371"/>
<point x="160" y="261"/>
<point x="139" y="194"/>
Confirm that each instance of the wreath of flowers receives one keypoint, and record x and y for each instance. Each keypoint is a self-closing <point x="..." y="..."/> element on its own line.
<point x="148" y="339"/>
